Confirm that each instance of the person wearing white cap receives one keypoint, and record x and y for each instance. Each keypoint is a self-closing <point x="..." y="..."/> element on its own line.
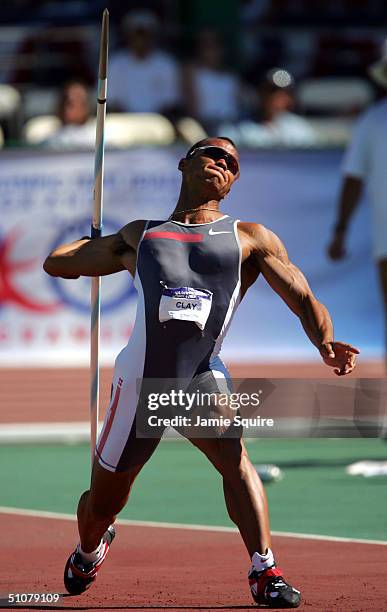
<point x="142" y="78"/>
<point x="365" y="164"/>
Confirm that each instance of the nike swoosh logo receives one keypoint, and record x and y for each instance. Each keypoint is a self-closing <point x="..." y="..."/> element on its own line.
<point x="212" y="233"/>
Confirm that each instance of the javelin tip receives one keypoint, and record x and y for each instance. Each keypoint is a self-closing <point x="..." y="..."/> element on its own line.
<point x="104" y="44"/>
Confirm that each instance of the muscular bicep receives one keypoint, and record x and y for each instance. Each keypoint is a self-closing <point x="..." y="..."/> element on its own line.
<point x="281" y="274"/>
<point x="97" y="257"/>
<point x="103" y="256"/>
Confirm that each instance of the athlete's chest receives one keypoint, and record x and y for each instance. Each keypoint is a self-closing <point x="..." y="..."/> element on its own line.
<point x="201" y="250"/>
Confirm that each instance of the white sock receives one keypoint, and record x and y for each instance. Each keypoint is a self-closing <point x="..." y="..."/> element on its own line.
<point x="92" y="556"/>
<point x="263" y="562"/>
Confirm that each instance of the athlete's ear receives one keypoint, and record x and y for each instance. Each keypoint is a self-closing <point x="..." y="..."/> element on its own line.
<point x="182" y="164"/>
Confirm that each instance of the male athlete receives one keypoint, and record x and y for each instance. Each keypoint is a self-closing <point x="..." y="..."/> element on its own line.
<point x="205" y="261"/>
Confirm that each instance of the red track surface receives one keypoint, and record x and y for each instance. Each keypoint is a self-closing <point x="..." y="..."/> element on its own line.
<point x="178" y="569"/>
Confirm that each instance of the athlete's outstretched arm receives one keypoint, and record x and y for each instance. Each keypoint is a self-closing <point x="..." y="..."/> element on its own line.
<point x="270" y="255"/>
<point x="97" y="257"/>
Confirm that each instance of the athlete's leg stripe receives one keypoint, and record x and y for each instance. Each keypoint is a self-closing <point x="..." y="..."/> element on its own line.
<point x="109" y="466"/>
<point x="109" y="423"/>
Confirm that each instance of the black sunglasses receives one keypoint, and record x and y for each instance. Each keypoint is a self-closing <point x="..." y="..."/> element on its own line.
<point x="217" y="153"/>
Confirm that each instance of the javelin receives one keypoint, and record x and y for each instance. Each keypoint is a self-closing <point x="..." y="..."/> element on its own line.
<point x="96" y="230"/>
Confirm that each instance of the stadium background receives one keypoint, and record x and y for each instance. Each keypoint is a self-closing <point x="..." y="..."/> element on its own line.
<point x="46" y="197"/>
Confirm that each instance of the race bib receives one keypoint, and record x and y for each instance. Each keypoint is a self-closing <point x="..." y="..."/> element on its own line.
<point x="186" y="304"/>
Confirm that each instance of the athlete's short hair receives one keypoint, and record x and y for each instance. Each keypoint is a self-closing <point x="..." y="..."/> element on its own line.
<point x="200" y="143"/>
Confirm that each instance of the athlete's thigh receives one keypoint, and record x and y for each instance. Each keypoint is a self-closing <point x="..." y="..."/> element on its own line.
<point x="118" y="448"/>
<point x="226" y="449"/>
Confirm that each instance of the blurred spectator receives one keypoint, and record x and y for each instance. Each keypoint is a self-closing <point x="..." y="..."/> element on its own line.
<point x="142" y="78"/>
<point x="74" y="112"/>
<point x="365" y="164"/>
<point x="74" y="104"/>
<point x="210" y="89"/>
<point x="274" y="123"/>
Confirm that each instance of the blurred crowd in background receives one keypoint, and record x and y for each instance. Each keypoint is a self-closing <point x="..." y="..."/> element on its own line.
<point x="267" y="73"/>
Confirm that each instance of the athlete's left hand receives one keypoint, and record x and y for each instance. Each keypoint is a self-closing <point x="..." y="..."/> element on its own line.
<point x="339" y="355"/>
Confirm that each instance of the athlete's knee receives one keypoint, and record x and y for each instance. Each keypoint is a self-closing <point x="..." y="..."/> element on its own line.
<point x="237" y="471"/>
<point x="96" y="508"/>
<point x="91" y="510"/>
<point x="82" y="504"/>
<point x="234" y="461"/>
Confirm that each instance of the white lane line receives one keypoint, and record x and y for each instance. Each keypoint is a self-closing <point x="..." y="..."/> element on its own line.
<point x="56" y="433"/>
<point x="283" y="534"/>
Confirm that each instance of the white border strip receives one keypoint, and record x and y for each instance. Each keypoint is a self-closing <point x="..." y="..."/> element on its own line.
<point x="282" y="534"/>
<point x="42" y="433"/>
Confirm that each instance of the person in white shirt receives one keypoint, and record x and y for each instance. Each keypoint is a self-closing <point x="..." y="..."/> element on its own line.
<point x="142" y="78"/>
<point x="365" y="164"/>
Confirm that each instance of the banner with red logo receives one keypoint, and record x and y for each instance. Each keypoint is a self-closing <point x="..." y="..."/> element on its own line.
<point x="46" y="200"/>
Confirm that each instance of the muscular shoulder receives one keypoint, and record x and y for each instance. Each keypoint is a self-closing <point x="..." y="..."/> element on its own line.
<point x="260" y="240"/>
<point x="131" y="233"/>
